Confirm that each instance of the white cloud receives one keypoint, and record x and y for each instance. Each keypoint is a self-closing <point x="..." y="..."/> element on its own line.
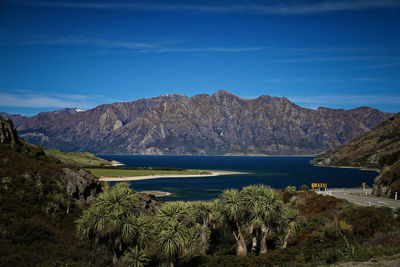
<point x="30" y="99"/>
<point x="332" y="58"/>
<point x="274" y="80"/>
<point x="80" y="40"/>
<point x="156" y="47"/>
<point x="355" y="100"/>
<point x="225" y="7"/>
<point x="381" y="66"/>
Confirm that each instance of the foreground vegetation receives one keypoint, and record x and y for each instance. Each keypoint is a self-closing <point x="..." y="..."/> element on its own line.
<point x="37" y="216"/>
<point x="120" y="172"/>
<point x="257" y="226"/>
<point x="47" y="218"/>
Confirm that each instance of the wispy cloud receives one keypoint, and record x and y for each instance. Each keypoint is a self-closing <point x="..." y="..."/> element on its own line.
<point x="79" y="40"/>
<point x="365" y="79"/>
<point x="174" y="46"/>
<point x="140" y="47"/>
<point x="331" y="58"/>
<point x="352" y="100"/>
<point x="381" y="66"/>
<point x="30" y="99"/>
<point x="224" y="7"/>
<point x="332" y="80"/>
<point x="208" y="49"/>
<point x="274" y="80"/>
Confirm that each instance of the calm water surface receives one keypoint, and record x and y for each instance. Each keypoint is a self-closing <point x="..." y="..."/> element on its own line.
<point x="277" y="172"/>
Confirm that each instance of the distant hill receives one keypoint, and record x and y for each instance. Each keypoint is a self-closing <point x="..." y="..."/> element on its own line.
<point x="378" y="148"/>
<point x="218" y="124"/>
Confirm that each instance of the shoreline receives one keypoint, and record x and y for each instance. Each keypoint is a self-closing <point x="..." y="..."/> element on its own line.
<point x="115" y="163"/>
<point x="156" y="193"/>
<point x="346" y="167"/>
<point x="148" y="177"/>
<point x="224" y="155"/>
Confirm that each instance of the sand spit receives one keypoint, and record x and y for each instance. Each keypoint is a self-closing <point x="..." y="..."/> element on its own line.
<point x="147" y="177"/>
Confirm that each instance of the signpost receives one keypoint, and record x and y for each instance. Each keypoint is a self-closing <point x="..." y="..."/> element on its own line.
<point x="319" y="185"/>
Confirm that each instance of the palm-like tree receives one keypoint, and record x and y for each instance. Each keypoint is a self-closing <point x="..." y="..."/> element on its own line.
<point x="231" y="206"/>
<point x="172" y="240"/>
<point x="136" y="257"/>
<point x="289" y="223"/>
<point x="203" y="214"/>
<point x="262" y="206"/>
<point x="172" y="212"/>
<point x="114" y="218"/>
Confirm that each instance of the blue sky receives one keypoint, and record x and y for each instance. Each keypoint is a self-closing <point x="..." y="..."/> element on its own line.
<point x="338" y="54"/>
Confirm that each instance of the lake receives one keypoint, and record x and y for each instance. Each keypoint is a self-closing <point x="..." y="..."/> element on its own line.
<point x="277" y="172"/>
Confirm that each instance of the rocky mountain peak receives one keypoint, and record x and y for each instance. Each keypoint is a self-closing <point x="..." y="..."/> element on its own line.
<point x="218" y="124"/>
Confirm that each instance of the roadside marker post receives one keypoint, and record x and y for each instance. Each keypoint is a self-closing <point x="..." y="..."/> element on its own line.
<point x="395" y="196"/>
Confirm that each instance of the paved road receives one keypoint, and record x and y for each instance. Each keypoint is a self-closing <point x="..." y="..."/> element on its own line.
<point x="361" y="198"/>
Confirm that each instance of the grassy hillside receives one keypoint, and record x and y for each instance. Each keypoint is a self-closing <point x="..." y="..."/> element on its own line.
<point x="375" y="149"/>
<point x="83" y="159"/>
<point x="37" y="215"/>
<point x="379" y="149"/>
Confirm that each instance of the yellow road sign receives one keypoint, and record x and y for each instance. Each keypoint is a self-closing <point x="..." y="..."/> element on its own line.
<point x="319" y="185"/>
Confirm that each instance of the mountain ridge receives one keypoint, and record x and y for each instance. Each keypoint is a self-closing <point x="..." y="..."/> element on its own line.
<point x="379" y="149"/>
<point x="217" y="124"/>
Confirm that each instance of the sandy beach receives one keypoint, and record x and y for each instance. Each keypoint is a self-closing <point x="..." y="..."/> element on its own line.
<point x="147" y="177"/>
<point x="115" y="163"/>
<point x="156" y="193"/>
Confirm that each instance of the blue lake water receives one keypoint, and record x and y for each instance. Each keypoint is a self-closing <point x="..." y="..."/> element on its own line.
<point x="277" y="172"/>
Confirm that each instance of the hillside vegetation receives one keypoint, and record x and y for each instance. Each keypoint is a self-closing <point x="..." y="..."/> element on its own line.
<point x="40" y="199"/>
<point x="256" y="226"/>
<point x="53" y="214"/>
<point x="378" y="148"/>
<point x="83" y="159"/>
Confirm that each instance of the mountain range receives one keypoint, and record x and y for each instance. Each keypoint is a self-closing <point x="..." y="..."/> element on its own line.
<point x="218" y="124"/>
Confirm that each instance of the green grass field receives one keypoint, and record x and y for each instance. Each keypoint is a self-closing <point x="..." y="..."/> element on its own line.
<point x="129" y="173"/>
<point x="85" y="159"/>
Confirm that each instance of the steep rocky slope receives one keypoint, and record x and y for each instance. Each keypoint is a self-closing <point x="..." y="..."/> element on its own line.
<point x="21" y="159"/>
<point x="378" y="148"/>
<point x="218" y="124"/>
<point x="40" y="199"/>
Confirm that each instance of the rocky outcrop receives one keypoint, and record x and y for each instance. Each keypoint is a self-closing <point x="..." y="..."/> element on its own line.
<point x="8" y="134"/>
<point x="148" y="205"/>
<point x="218" y="124"/>
<point x="388" y="181"/>
<point x="21" y="159"/>
<point x="80" y="184"/>
<point x="379" y="149"/>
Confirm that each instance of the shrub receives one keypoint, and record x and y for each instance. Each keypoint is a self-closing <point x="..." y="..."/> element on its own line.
<point x="304" y="187"/>
<point x="366" y="221"/>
